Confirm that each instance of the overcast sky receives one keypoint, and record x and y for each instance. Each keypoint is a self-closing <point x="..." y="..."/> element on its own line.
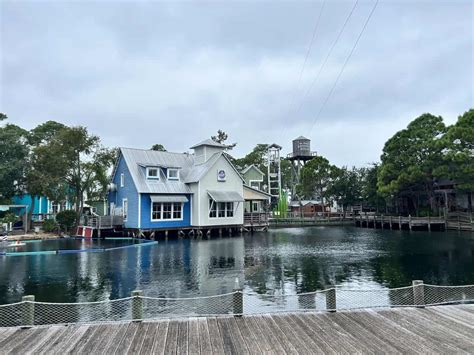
<point x="142" y="72"/>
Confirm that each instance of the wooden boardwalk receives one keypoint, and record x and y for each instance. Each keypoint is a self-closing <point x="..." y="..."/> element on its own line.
<point x="442" y="329"/>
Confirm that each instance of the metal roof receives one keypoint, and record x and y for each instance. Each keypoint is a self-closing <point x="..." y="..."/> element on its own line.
<point x="225" y="196"/>
<point x="137" y="158"/>
<point x="168" y="198"/>
<point x="209" y="142"/>
<point x="249" y="167"/>
<point x="301" y="138"/>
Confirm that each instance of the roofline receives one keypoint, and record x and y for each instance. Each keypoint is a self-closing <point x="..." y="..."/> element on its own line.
<point x="250" y="166"/>
<point x="256" y="190"/>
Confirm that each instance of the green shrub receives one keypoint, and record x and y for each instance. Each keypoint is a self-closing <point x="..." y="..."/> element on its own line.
<point x="9" y="218"/>
<point x="50" y="225"/>
<point x="66" y="219"/>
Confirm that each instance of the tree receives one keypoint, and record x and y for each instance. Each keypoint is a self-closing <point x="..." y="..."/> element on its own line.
<point x="370" y="195"/>
<point x="346" y="186"/>
<point x="13" y="159"/>
<point x="221" y="137"/>
<point x="458" y="154"/>
<point x="316" y="177"/>
<point x="158" y="147"/>
<point x="3" y="116"/>
<point x="409" y="159"/>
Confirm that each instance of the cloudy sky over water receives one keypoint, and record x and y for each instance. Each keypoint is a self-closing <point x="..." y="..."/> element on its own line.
<point x="144" y="72"/>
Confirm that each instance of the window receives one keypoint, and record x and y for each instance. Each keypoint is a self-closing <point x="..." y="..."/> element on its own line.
<point x="255" y="207"/>
<point x="220" y="209"/>
<point x="166" y="211"/>
<point x="173" y="174"/>
<point x="122" y="180"/>
<point x="229" y="209"/>
<point x="124" y="209"/>
<point x="212" y="208"/>
<point x="255" y="184"/>
<point x="155" y="210"/>
<point x="152" y="173"/>
<point x="54" y="207"/>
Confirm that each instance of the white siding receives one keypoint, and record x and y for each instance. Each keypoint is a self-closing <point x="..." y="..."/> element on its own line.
<point x="209" y="182"/>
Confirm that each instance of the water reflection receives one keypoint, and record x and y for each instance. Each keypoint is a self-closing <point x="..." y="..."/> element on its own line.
<point x="280" y="262"/>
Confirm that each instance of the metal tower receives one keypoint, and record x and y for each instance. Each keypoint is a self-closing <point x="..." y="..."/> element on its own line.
<point x="274" y="171"/>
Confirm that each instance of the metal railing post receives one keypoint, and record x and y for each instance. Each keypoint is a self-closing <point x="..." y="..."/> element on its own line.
<point x="238" y="299"/>
<point x="331" y="299"/>
<point x="137" y="306"/>
<point x="418" y="293"/>
<point x="28" y="311"/>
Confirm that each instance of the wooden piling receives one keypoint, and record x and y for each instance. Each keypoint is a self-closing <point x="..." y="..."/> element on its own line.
<point x="137" y="306"/>
<point x="418" y="293"/>
<point x="331" y="299"/>
<point x="28" y="311"/>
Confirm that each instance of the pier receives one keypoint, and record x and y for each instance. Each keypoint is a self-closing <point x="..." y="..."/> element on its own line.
<point x="440" y="329"/>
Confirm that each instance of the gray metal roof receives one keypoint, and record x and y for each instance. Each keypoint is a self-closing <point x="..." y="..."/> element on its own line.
<point x="225" y="196"/>
<point x="196" y="172"/>
<point x="301" y="138"/>
<point x="168" y="198"/>
<point x="137" y="158"/>
<point x="209" y="142"/>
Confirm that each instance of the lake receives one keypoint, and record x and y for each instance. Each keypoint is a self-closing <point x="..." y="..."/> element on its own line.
<point x="282" y="261"/>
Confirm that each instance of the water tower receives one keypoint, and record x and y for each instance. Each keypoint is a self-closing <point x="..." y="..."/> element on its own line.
<point x="300" y="155"/>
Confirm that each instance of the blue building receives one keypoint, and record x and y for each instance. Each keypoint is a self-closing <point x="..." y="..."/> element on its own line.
<point x="42" y="205"/>
<point x="156" y="190"/>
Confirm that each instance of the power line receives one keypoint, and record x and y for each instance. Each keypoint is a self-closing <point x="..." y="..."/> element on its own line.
<point x="344" y="65"/>
<point x="327" y="56"/>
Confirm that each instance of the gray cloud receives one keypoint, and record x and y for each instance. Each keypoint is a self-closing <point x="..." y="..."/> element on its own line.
<point x="138" y="73"/>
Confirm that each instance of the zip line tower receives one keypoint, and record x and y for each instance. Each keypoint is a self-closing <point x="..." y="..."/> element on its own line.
<point x="274" y="171"/>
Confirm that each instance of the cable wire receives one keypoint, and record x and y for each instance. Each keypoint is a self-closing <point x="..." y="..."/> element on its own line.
<point x="344" y="65"/>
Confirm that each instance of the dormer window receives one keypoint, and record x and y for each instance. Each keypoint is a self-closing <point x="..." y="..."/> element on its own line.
<point x="152" y="173"/>
<point x="173" y="174"/>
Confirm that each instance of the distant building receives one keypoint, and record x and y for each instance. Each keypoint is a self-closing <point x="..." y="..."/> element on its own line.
<point x="42" y="205"/>
<point x="308" y="208"/>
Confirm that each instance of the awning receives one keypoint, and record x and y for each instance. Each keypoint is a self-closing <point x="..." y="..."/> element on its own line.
<point x="225" y="196"/>
<point x="168" y="198"/>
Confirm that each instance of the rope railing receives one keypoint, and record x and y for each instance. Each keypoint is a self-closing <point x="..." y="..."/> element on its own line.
<point x="29" y="312"/>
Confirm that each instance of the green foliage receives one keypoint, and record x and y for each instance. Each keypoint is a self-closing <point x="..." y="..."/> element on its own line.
<point x="158" y="147"/>
<point x="13" y="159"/>
<point x="50" y="226"/>
<point x="66" y="219"/>
<point x="221" y="138"/>
<point x="281" y="209"/>
<point x="316" y="177"/>
<point x="410" y="158"/>
<point x="9" y="217"/>
<point x="44" y="133"/>
<point x="346" y="186"/>
<point x="3" y="116"/>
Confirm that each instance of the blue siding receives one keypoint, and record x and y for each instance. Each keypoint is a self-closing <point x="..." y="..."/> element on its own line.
<point x="146" y="215"/>
<point x="27" y="200"/>
<point x="129" y="191"/>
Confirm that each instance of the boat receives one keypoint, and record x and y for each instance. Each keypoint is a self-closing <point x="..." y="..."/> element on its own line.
<point x="15" y="244"/>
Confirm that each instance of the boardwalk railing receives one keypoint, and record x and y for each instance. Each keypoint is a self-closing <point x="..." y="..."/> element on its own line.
<point x="28" y="312"/>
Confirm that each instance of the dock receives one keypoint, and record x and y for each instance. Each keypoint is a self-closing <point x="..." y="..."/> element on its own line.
<point x="439" y="329"/>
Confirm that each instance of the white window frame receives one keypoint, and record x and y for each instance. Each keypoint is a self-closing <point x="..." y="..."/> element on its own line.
<point x="257" y="181"/>
<point x="172" y="178"/>
<point x="125" y="209"/>
<point x="172" y="212"/>
<point x="122" y="180"/>
<point x="226" y="210"/>
<point x="157" y="177"/>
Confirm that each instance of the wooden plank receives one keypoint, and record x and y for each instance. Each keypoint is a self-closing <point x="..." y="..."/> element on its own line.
<point x="226" y="336"/>
<point x="55" y="340"/>
<point x="68" y="344"/>
<point x="452" y="324"/>
<point x="399" y="337"/>
<point x="249" y="337"/>
<point x="306" y="333"/>
<point x="33" y="338"/>
<point x="283" y="338"/>
<point x="291" y="334"/>
<point x="6" y="332"/>
<point x="267" y="333"/>
<point x="204" y="339"/>
<point x="161" y="335"/>
<point x="182" y="343"/>
<point x="88" y="334"/>
<point x="366" y="341"/>
<point x="95" y="338"/>
<point x="215" y="337"/>
<point x="194" y="346"/>
<point x="457" y="314"/>
<point x="422" y="332"/>
<point x="139" y="338"/>
<point x="316" y="334"/>
<point x="15" y="337"/>
<point x="149" y="338"/>
<point x="127" y="339"/>
<point x="111" y="335"/>
<point x="49" y="336"/>
<point x="237" y="338"/>
<point x="171" y="344"/>
<point x="114" y="341"/>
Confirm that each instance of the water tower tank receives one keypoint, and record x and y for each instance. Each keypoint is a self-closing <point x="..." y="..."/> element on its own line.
<point x="301" y="147"/>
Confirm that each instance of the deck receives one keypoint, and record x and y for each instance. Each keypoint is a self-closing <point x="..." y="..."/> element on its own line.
<point x="441" y="329"/>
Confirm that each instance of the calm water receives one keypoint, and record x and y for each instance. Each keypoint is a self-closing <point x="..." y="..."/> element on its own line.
<point x="286" y="260"/>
